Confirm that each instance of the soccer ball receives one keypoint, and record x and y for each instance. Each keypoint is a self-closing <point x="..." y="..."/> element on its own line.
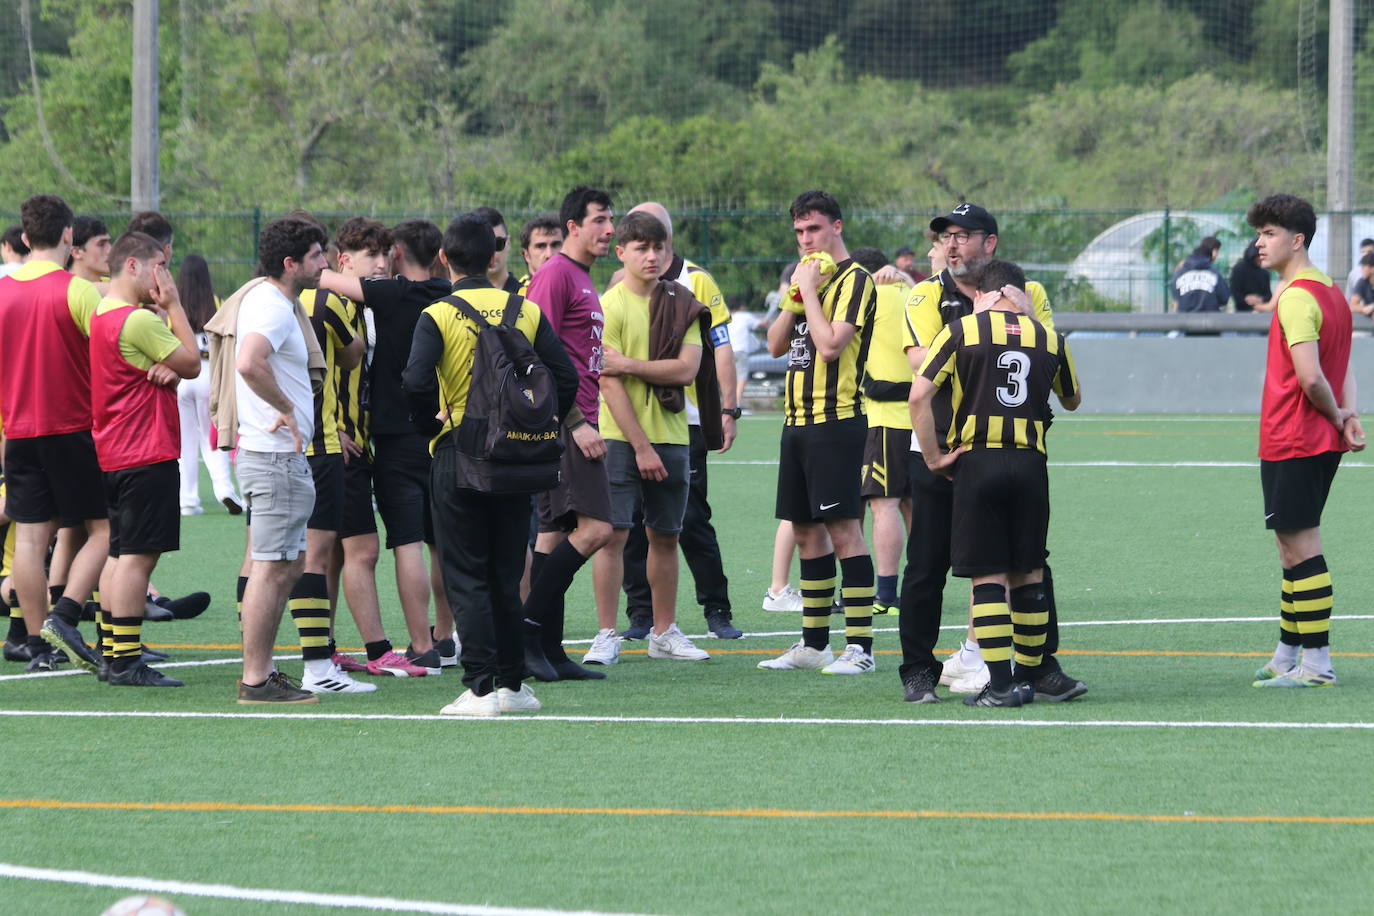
<point x="142" y="905"/>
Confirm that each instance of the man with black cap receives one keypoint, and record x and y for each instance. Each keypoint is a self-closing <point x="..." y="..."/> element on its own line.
<point x="967" y="236"/>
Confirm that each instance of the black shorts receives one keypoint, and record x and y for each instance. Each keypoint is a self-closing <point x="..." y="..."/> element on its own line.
<point x="328" y="474"/>
<point x="1295" y="490"/>
<point x="1001" y="512"/>
<point x="400" y="475"/>
<point x="358" y="515"/>
<point x="144" y="508"/>
<point x="818" y="471"/>
<point x="584" y="488"/>
<point x="54" y="477"/>
<point x="885" y="464"/>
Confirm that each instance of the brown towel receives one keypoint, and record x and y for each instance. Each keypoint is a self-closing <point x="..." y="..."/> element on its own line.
<point x="673" y="311"/>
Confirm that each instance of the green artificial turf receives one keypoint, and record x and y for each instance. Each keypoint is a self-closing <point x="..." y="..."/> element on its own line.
<point x="1127" y="542"/>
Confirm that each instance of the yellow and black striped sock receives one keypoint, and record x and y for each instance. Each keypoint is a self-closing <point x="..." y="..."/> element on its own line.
<point x="309" y="606"/>
<point x="1288" y="621"/>
<point x="818" y="594"/>
<point x="239" y="589"/>
<point x="104" y="635"/>
<point x="1312" y="601"/>
<point x="127" y="636"/>
<point x="18" y="632"/>
<point x="1030" y="622"/>
<point x="992" y="628"/>
<point x="857" y="593"/>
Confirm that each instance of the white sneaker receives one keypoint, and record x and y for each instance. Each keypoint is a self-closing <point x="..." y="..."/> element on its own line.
<point x="674" y="644"/>
<point x="853" y="660"/>
<point x="334" y="680"/>
<point x="970" y="683"/>
<point x="470" y="704"/>
<point x="522" y="700"/>
<point x="605" y="649"/>
<point x="799" y="656"/>
<point x="789" y="599"/>
<point x="961" y="664"/>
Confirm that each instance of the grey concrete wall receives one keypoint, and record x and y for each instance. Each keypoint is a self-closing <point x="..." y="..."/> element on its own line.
<point x="1186" y="374"/>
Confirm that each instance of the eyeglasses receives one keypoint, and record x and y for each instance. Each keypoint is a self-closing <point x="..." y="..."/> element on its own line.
<point x="959" y="237"/>
<point x="501" y="243"/>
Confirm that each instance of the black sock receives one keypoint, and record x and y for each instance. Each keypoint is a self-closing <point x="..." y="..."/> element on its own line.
<point x="376" y="650"/>
<point x="68" y="610"/>
<point x="239" y="589"/>
<point x="38" y="645"/>
<point x="536" y="567"/>
<point x="18" y="632"/>
<point x="54" y="593"/>
<point x="856" y="591"/>
<point x="887" y="589"/>
<point x="818" y="594"/>
<point x="545" y="604"/>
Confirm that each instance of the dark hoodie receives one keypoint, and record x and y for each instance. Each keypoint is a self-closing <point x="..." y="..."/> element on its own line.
<point x="1198" y="286"/>
<point x="1248" y="277"/>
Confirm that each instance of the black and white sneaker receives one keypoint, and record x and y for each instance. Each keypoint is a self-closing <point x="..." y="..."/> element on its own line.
<point x="1012" y="696"/>
<point x="140" y="675"/>
<point x="919" y="687"/>
<point x="1057" y="687"/>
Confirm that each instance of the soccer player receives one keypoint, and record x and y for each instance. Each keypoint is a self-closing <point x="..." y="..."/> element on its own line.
<point x="1307" y="420"/>
<point x="574" y="518"/>
<point x="89" y="258"/>
<point x="646" y="441"/>
<point x="136" y="361"/>
<point x="401" y="459"/>
<point x="481" y="535"/>
<point x="498" y="271"/>
<point x="540" y="239"/>
<point x="45" y="394"/>
<point x="700" y="546"/>
<point x="826" y="333"/>
<point x="968" y="237"/>
<point x="886" y="487"/>
<point x="999" y="367"/>
<point x="151" y="222"/>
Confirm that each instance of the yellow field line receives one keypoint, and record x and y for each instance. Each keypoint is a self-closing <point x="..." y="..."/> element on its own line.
<point x="763" y="813"/>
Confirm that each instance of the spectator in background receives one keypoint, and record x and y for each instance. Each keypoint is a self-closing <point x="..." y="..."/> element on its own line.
<point x="1366" y="247"/>
<point x="1197" y="285"/>
<point x="540" y="239"/>
<point x="89" y="258"/>
<point x="905" y="261"/>
<point x="743" y="343"/>
<point x="1250" y="287"/>
<point x="12" y="250"/>
<point x="1362" y="298"/>
<point x="193" y="398"/>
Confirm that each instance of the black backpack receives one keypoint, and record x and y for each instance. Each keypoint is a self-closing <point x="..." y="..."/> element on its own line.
<point x="509" y="439"/>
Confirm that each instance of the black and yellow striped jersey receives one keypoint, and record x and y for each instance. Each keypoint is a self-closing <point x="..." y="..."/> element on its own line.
<point x="820" y="391"/>
<point x="1000" y="369"/>
<point x="327" y="317"/>
<point x="352" y="388"/>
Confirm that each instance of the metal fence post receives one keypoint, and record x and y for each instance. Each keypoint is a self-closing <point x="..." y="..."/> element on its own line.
<point x="1164" y="263"/>
<point x="257" y="230"/>
<point x="706" y="238"/>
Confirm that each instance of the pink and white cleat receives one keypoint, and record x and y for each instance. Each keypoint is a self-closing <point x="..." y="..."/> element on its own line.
<point x="395" y="664"/>
<point x="347" y="662"/>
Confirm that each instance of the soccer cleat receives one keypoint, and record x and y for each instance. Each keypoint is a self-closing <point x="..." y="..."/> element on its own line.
<point x="919" y="687"/>
<point x="233" y="505"/>
<point x="140" y="675"/>
<point x="347" y="663"/>
<point x="156" y="612"/>
<point x="640" y="625"/>
<point x="883" y="609"/>
<point x="448" y="650"/>
<point x="569" y="670"/>
<point x="522" y="700"/>
<point x="58" y="631"/>
<point x="789" y="599"/>
<point x="426" y="660"/>
<point x="1057" y="687"/>
<point x="334" y="681"/>
<point x="192" y="510"/>
<point x="17" y="652"/>
<point x="673" y="644"/>
<point x="536" y="662"/>
<point x="45" y="661"/>
<point x="1299" y="677"/>
<point x="1271" y="671"/>
<point x="853" y="660"/>
<point x="470" y="704"/>
<point x="102" y="671"/>
<point x="605" y="649"/>
<point x="960" y="664"/>
<point x="278" y="688"/>
<point x="1012" y="696"/>
<point x="394" y="664"/>
<point x="800" y="655"/>
<point x="720" y="625"/>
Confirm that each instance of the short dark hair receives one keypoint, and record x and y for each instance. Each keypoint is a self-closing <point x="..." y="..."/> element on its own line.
<point x="151" y="222"/>
<point x="816" y="202"/>
<point x="469" y="243"/>
<point x="420" y="239"/>
<point x="1288" y="212"/>
<point x="137" y="245"/>
<point x="641" y="227"/>
<point x="1367" y="243"/>
<point x="998" y="273"/>
<point x="286" y="237"/>
<point x="575" y="204"/>
<point x="1209" y="244"/>
<point x="45" y="218"/>
<point x="85" y="228"/>
<point x="14" y="237"/>
<point x="870" y="259"/>
<point x="491" y="215"/>
<point x="362" y="234"/>
<point x="545" y="221"/>
<point x="1367" y="259"/>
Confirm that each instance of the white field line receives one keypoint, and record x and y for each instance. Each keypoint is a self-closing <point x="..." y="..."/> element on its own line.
<point x="681" y="720"/>
<point x="306" y="898"/>
<point x="1159" y="621"/>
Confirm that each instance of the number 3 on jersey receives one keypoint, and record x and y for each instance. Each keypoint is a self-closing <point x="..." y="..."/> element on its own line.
<point x="1017" y="364"/>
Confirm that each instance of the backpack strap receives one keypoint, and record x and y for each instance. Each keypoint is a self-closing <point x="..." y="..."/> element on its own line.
<point x="465" y="309"/>
<point x="514" y="302"/>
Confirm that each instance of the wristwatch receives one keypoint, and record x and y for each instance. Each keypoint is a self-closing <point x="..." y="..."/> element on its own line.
<point x="734" y="412"/>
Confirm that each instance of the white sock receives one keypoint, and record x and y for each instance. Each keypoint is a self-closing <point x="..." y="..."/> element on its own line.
<point x="1285" y="656"/>
<point x="319" y="667"/>
<point x="970" y="650"/>
<point x="1317" y="661"/>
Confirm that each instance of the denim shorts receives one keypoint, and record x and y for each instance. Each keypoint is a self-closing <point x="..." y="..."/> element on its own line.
<point x="280" y="493"/>
<point x="663" y="502"/>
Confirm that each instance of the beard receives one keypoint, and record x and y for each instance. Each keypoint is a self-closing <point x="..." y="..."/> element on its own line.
<point x="968" y="268"/>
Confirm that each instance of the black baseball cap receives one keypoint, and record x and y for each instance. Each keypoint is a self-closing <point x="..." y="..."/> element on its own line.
<point x="905" y="249"/>
<point x="966" y="216"/>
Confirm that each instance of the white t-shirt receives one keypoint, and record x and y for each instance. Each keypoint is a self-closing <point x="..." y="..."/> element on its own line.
<point x="266" y="311"/>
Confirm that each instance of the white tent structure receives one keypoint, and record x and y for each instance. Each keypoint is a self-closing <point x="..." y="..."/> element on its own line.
<point x="1117" y="266"/>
